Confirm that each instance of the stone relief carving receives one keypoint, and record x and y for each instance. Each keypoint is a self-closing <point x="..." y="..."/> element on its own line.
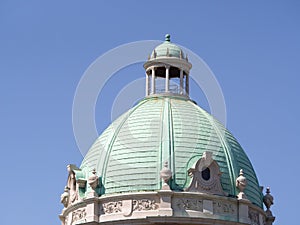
<point x="77" y="215"/>
<point x="144" y="204"/>
<point x="206" y="176"/>
<point x="189" y="204"/>
<point x="254" y="217"/>
<point x="112" y="207"/>
<point x="224" y="208"/>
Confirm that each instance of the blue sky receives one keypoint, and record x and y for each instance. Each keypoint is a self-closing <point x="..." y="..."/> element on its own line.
<point x="251" y="46"/>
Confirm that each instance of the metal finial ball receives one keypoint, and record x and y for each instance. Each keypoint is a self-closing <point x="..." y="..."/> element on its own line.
<point x="167" y="37"/>
<point x="241" y="172"/>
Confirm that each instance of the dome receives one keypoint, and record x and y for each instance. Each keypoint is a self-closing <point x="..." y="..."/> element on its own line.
<point x="131" y="152"/>
<point x="165" y="161"/>
<point x="167" y="49"/>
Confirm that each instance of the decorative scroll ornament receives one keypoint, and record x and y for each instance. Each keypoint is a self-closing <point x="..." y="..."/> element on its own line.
<point x="189" y="204"/>
<point x="241" y="183"/>
<point x="64" y="198"/>
<point x="112" y="207"/>
<point x="79" y="214"/>
<point x="269" y="201"/>
<point x="206" y="176"/>
<point x="165" y="175"/>
<point x="224" y="208"/>
<point x="144" y="204"/>
<point x="254" y="217"/>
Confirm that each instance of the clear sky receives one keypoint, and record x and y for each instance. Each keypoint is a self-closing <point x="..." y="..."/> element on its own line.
<point x="45" y="46"/>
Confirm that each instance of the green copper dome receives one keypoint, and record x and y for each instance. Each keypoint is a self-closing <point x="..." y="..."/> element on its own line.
<point x="167" y="49"/>
<point x="130" y="153"/>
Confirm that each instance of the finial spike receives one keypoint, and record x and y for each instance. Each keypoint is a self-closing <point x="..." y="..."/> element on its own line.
<point x="168" y="37"/>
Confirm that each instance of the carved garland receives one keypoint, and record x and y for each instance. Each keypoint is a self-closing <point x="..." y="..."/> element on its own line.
<point x="224" y="208"/>
<point x="144" y="204"/>
<point x="79" y="214"/>
<point x="190" y="204"/>
<point x="112" y="207"/>
<point x="137" y="205"/>
<point x="254" y="217"/>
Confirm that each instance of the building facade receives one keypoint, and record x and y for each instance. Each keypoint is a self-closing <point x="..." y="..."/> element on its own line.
<point x="165" y="161"/>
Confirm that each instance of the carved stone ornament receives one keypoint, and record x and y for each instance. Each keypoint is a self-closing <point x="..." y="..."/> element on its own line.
<point x="254" y="217"/>
<point x="144" y="204"/>
<point x="93" y="180"/>
<point x="77" y="215"/>
<point x="224" y="208"/>
<point x="165" y="175"/>
<point x="64" y="198"/>
<point x="81" y="183"/>
<point x="269" y="201"/>
<point x="66" y="220"/>
<point x="112" y="207"/>
<point x="72" y="183"/>
<point x="241" y="183"/>
<point x="206" y="176"/>
<point x="189" y="204"/>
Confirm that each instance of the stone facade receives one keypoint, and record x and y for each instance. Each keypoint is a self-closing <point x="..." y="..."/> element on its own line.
<point x="204" y="201"/>
<point x="162" y="206"/>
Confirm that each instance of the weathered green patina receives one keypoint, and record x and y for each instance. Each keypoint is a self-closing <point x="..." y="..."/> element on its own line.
<point x="167" y="49"/>
<point x="132" y="150"/>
